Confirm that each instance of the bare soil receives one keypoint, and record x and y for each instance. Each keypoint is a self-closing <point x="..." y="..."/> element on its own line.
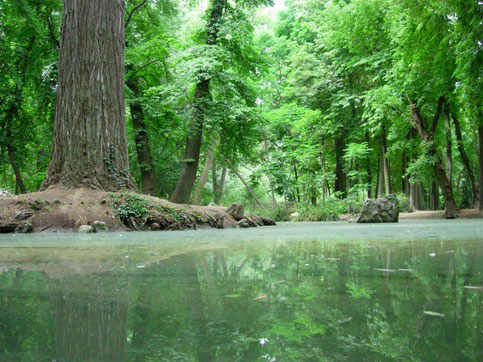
<point x="61" y="209"/>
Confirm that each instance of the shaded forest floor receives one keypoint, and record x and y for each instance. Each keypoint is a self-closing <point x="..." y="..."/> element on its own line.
<point x="426" y="214"/>
<point x="59" y="209"/>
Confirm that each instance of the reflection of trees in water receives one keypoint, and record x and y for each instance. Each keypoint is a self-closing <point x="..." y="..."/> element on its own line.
<point x="90" y="317"/>
<point x="289" y="301"/>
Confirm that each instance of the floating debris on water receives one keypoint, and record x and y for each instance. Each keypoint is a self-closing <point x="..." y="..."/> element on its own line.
<point x="434" y="314"/>
<point x="385" y="270"/>
<point x="140" y="266"/>
<point x="432" y="255"/>
<point x="333" y="259"/>
<point x="406" y="270"/>
<point x="472" y="287"/>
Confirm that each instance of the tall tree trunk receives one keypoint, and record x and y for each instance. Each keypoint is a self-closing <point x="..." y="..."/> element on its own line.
<point x="218" y="187"/>
<point x="451" y="210"/>
<point x="369" y="169"/>
<point x="89" y="145"/>
<point x="434" y="196"/>
<point x="464" y="158"/>
<point x="340" y="177"/>
<point x="141" y="139"/>
<point x="206" y="170"/>
<point x="480" y="131"/>
<point x="380" y="177"/>
<point x="387" y="177"/>
<point x="247" y="186"/>
<point x="191" y="160"/>
<point x="449" y="146"/>
<point x="11" y="149"/>
<point x="405" y="177"/>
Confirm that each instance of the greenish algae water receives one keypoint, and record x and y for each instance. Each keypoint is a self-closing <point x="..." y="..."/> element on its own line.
<point x="411" y="291"/>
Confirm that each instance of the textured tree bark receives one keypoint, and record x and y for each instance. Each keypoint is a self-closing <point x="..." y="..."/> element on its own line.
<point x="206" y="170"/>
<point x="340" y="179"/>
<point x="451" y="210"/>
<point x="465" y="159"/>
<point x="380" y="177"/>
<point x="143" y="150"/>
<point x="89" y="145"/>
<point x="194" y="138"/>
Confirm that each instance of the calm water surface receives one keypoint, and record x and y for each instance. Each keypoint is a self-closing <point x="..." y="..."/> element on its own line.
<point x="411" y="291"/>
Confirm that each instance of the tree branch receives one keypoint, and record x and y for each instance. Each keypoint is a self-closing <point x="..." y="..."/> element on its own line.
<point x="136" y="8"/>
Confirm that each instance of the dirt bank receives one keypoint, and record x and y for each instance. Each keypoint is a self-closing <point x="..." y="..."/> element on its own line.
<point x="59" y="209"/>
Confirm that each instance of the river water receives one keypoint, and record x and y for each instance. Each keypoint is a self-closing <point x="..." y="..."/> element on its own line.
<point x="411" y="291"/>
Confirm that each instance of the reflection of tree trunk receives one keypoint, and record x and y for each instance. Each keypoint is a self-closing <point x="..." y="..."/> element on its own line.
<point x="206" y="169"/>
<point x="141" y="319"/>
<point x="90" y="318"/>
<point x="193" y="294"/>
<point x="141" y="139"/>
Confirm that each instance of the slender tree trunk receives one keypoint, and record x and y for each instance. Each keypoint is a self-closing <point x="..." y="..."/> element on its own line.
<point x="340" y="177"/>
<point x="141" y="139"/>
<point x="465" y="159"/>
<point x="206" y="170"/>
<point x="89" y="145"/>
<point x="480" y="131"/>
<point x="387" y="178"/>
<point x="369" y="169"/>
<point x="405" y="177"/>
<point x="11" y="150"/>
<point x="449" y="146"/>
<point x="441" y="175"/>
<point x="247" y="186"/>
<point x="434" y="196"/>
<point x="380" y="177"/>
<point x="219" y="186"/>
<point x="191" y="160"/>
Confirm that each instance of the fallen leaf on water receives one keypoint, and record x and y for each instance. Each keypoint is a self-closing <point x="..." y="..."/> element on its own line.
<point x="261" y="297"/>
<point x="434" y="314"/>
<point x="473" y="287"/>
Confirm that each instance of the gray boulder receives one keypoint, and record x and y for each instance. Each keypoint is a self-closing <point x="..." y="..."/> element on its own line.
<point x="86" y="229"/>
<point x="383" y="209"/>
<point x="236" y="210"/>
<point x="100" y="226"/>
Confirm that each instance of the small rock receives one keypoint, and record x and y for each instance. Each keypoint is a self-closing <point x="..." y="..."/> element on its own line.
<point x="244" y="223"/>
<point x="24" y="228"/>
<point x="36" y="205"/>
<point x="155" y="226"/>
<point x="23" y="214"/>
<point x="100" y="226"/>
<point x="86" y="229"/>
<point x="236" y="210"/>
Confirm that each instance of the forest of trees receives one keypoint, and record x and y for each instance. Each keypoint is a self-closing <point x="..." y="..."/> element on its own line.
<point x="319" y="107"/>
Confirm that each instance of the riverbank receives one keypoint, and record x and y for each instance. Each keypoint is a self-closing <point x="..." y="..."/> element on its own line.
<point x="59" y="209"/>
